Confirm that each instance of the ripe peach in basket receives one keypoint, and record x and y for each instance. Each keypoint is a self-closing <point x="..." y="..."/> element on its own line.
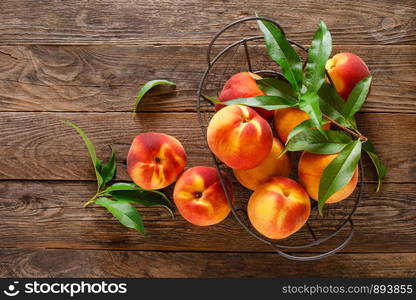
<point x="243" y="85"/>
<point x="239" y="137"/>
<point x="273" y="165"/>
<point x="346" y="70"/>
<point x="155" y="160"/>
<point x="279" y="208"/>
<point x="200" y="198"/>
<point x="286" y="119"/>
<point x="310" y="169"/>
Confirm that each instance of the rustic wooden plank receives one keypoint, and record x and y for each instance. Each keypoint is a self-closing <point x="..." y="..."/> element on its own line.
<point x="50" y="215"/>
<point x="37" y="146"/>
<point x="96" y="263"/>
<point x="126" y="21"/>
<point x="106" y="78"/>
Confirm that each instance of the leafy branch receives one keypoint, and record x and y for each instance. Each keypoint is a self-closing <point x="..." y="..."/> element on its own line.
<point x="119" y="197"/>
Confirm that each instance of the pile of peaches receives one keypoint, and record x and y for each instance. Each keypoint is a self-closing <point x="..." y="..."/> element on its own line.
<point x="243" y="139"/>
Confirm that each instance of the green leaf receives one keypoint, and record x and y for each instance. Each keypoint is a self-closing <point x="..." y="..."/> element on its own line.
<point x="147" y="87"/>
<point x="124" y="212"/>
<point x="330" y="95"/>
<point x="309" y="103"/>
<point x="339" y="172"/>
<point x="98" y="165"/>
<point x="122" y="186"/>
<point x="275" y="87"/>
<point x="332" y="105"/>
<point x="143" y="197"/>
<point x="318" y="55"/>
<point x="108" y="171"/>
<point x="299" y="128"/>
<point x="266" y="102"/>
<point x="368" y="146"/>
<point x="91" y="149"/>
<point x="333" y="114"/>
<point x="311" y="140"/>
<point x="283" y="54"/>
<point x="357" y="97"/>
<point x="307" y="124"/>
<point x="353" y="123"/>
<point x="380" y="167"/>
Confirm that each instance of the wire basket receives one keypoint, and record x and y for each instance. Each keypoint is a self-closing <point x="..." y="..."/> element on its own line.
<point x="249" y="54"/>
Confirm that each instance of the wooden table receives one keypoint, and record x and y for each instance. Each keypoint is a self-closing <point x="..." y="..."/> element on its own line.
<point x="84" y="61"/>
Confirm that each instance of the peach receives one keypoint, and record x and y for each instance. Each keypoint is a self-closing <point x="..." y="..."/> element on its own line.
<point x="155" y="160"/>
<point x="346" y="70"/>
<point x="286" y="119"/>
<point x="243" y="85"/>
<point x="279" y="208"/>
<point x="239" y="137"/>
<point x="311" y="167"/>
<point x="200" y="198"/>
<point x="271" y="166"/>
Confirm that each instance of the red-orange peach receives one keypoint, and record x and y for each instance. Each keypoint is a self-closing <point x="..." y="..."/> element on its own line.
<point x="310" y="169"/>
<point x="286" y="119"/>
<point x="346" y="70"/>
<point x="243" y="85"/>
<point x="273" y="165"/>
<point x="155" y="160"/>
<point x="279" y="208"/>
<point x="239" y="137"/>
<point x="200" y="198"/>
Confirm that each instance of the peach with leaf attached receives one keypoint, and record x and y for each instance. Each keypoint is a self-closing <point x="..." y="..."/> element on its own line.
<point x="310" y="169"/>
<point x="346" y="70"/>
<point x="243" y="85"/>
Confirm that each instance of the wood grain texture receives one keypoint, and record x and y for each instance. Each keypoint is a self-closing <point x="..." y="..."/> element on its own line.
<point x="190" y="21"/>
<point x="37" y="146"/>
<point x="50" y="215"/>
<point x="73" y="263"/>
<point x="106" y="78"/>
<point x="46" y="175"/>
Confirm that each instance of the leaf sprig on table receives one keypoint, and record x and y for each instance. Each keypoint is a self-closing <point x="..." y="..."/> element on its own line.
<point x="147" y="87"/>
<point x="308" y="90"/>
<point x="119" y="198"/>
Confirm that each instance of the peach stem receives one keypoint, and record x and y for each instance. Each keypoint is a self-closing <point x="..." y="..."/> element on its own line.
<point x="98" y="194"/>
